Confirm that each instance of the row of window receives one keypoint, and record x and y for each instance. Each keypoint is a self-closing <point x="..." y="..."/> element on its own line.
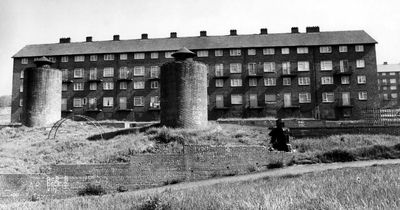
<point x="390" y="73"/>
<point x="203" y="53"/>
<point x="388" y="97"/>
<point x="109" y="72"/>
<point x="91" y="103"/>
<point x="385" y="81"/>
<point x="391" y="87"/>
<point x="137" y="85"/>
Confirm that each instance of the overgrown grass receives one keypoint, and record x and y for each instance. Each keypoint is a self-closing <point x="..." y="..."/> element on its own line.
<point x="352" y="188"/>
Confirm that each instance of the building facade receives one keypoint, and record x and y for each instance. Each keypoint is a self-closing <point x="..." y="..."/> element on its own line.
<point x="388" y="85"/>
<point x="325" y="75"/>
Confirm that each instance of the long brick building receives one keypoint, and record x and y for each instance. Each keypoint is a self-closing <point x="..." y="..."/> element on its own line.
<point x="388" y="85"/>
<point x="326" y="75"/>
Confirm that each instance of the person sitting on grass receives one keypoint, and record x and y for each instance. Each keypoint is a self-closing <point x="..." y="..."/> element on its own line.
<point x="280" y="137"/>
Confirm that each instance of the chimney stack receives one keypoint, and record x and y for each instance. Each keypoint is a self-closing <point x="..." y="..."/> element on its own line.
<point x="173" y="35"/>
<point x="264" y="31"/>
<point x="233" y="32"/>
<point x="385" y="63"/>
<point x="65" y="40"/>
<point x="145" y="36"/>
<point x="116" y="37"/>
<point x="313" y="29"/>
<point x="203" y="33"/>
<point x="89" y="39"/>
<point x="295" y="30"/>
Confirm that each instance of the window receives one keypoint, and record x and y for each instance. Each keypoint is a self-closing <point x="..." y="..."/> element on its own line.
<point x="154" y="84"/>
<point x="327" y="80"/>
<point x="123" y="85"/>
<point x="21" y="87"/>
<point x="251" y="52"/>
<point x="108" y="86"/>
<point x="393" y="87"/>
<point x="21" y="102"/>
<point x="92" y="73"/>
<point x="269" y="51"/>
<point x="219" y="70"/>
<point x="392" y="73"/>
<point x="345" y="80"/>
<point x="302" y="50"/>
<point x="219" y="101"/>
<point x="154" y="102"/>
<point x="303" y="66"/>
<point x="24" y="61"/>
<point x="138" y="71"/>
<point x="108" y="72"/>
<point x="235" y="68"/>
<point x="286" y="68"/>
<point x="286" y="81"/>
<point x="326" y="65"/>
<point x="252" y="68"/>
<point x="253" y="100"/>
<point x="304" y="98"/>
<point x="236" y="82"/>
<point x="270" y="98"/>
<point x="63" y="104"/>
<point x="326" y="49"/>
<point x="93" y="86"/>
<point x="154" y="71"/>
<point x="219" y="83"/>
<point x="138" y="85"/>
<point x="270" y="81"/>
<point x="123" y="72"/>
<point x="202" y="53"/>
<point x="269" y="66"/>
<point x="109" y="57"/>
<point x="359" y="48"/>
<point x="343" y="65"/>
<point x="138" y="56"/>
<point x="108" y="102"/>
<point x="360" y="63"/>
<point x="78" y="73"/>
<point x="236" y="99"/>
<point x="79" y="58"/>
<point x="22" y="74"/>
<point x="362" y="95"/>
<point x="285" y="50"/>
<point x="78" y="86"/>
<point x="252" y="82"/>
<point x="384" y="88"/>
<point x="93" y="103"/>
<point x="342" y="48"/>
<point x="154" y="55"/>
<point x="385" y="97"/>
<point x="383" y="74"/>
<point x="219" y="53"/>
<point x="393" y="81"/>
<point x="235" y="52"/>
<point x="138" y="101"/>
<point x="304" y="80"/>
<point x="77" y="102"/>
<point x="168" y="54"/>
<point x="328" y="97"/>
<point x="123" y="56"/>
<point x="93" y="58"/>
<point x="361" y="79"/>
<point x="64" y="59"/>
<point x="64" y="87"/>
<point x="393" y="95"/>
<point x="122" y="103"/>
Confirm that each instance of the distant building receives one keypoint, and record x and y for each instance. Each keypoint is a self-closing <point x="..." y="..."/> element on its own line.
<point x="388" y="85"/>
<point x="327" y="75"/>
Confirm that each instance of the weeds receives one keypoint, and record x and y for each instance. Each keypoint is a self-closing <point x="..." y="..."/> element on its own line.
<point x="92" y="189"/>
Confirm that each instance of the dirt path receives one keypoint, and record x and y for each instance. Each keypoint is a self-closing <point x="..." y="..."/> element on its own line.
<point x="298" y="169"/>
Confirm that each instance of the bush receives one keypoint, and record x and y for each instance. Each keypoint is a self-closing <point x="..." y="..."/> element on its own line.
<point x="173" y="181"/>
<point x="275" y="164"/>
<point x="336" y="155"/>
<point x="153" y="203"/>
<point x="92" y="189"/>
<point x="122" y="189"/>
<point x="379" y="152"/>
<point x="165" y="135"/>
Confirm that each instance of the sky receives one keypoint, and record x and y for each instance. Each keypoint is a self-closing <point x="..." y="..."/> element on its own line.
<point x="24" y="22"/>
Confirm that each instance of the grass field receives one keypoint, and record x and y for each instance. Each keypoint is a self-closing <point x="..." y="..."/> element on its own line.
<point x="376" y="187"/>
<point x="5" y="115"/>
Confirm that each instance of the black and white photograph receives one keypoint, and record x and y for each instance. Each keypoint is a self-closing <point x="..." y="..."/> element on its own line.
<point x="211" y="104"/>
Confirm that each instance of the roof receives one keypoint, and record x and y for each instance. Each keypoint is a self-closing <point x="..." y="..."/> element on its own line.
<point x="198" y="42"/>
<point x="388" y="67"/>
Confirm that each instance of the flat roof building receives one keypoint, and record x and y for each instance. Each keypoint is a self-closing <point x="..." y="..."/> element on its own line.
<point x="327" y="75"/>
<point x="388" y="85"/>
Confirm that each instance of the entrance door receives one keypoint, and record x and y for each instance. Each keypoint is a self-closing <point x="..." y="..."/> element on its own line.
<point x="346" y="99"/>
<point x="253" y="100"/>
<point x="219" y="101"/>
<point x="122" y="103"/>
<point x="287" y="99"/>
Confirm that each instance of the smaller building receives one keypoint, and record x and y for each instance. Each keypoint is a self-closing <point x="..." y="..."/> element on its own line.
<point x="388" y="85"/>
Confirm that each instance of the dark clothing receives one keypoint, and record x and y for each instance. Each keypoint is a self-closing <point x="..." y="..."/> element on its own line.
<point x="280" y="139"/>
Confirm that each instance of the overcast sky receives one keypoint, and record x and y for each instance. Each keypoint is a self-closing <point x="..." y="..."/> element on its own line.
<point x="24" y="22"/>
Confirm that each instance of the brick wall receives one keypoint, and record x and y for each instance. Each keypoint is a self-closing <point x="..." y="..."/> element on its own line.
<point x="143" y="171"/>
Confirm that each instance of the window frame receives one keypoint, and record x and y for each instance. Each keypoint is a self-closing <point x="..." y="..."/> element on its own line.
<point x="308" y="97"/>
<point x="239" y="100"/>
<point x="108" y="99"/>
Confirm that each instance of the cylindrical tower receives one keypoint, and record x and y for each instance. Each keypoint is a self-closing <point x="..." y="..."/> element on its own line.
<point x="42" y="95"/>
<point x="183" y="91"/>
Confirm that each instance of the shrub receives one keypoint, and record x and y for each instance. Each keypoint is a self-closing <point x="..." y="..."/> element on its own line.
<point x="165" y="135"/>
<point x="122" y="189"/>
<point x="173" y="181"/>
<point x="251" y="168"/>
<point x="336" y="155"/>
<point x="153" y="203"/>
<point x="92" y="189"/>
<point x="275" y="164"/>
